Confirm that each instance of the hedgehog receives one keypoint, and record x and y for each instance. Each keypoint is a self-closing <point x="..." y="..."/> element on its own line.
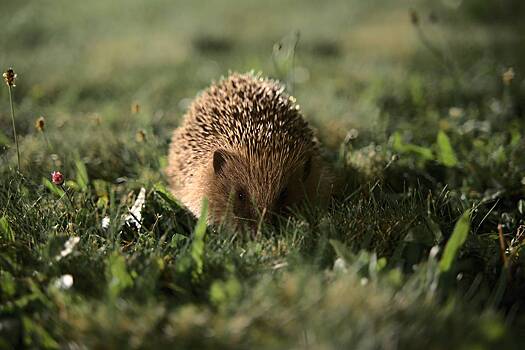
<point x="245" y="147"/>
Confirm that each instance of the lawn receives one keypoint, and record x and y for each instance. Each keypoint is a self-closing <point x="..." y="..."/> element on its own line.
<point x="419" y="105"/>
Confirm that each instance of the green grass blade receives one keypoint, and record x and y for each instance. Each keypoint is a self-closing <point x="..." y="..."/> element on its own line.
<point x="197" y="247"/>
<point x="5" y="229"/>
<point x="446" y="154"/>
<point x="421" y="152"/>
<point x="118" y="276"/>
<point x="82" y="175"/>
<point x="455" y="242"/>
<point x="52" y="187"/>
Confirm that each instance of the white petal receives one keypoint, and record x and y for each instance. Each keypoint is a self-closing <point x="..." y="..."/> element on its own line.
<point x="105" y="222"/>
<point x="68" y="247"/>
<point x="135" y="213"/>
<point x="64" y="282"/>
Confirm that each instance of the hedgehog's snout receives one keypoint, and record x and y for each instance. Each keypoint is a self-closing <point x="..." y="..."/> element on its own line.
<point x="270" y="213"/>
<point x="266" y="209"/>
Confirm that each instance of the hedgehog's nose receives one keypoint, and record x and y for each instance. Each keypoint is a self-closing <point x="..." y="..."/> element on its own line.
<point x="270" y="217"/>
<point x="264" y="216"/>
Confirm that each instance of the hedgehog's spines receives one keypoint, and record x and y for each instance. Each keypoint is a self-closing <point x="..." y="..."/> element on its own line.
<point x="248" y="116"/>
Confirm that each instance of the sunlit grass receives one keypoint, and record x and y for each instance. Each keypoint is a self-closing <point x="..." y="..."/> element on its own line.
<point x="421" y="156"/>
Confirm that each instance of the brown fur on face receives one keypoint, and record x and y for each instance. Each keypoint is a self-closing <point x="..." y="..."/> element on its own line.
<point x="245" y="146"/>
<point x="253" y="190"/>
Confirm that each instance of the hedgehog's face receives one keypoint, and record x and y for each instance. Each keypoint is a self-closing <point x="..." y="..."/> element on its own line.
<point x="247" y="192"/>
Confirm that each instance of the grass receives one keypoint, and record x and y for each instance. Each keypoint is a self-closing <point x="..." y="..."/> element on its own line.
<point x="421" y="246"/>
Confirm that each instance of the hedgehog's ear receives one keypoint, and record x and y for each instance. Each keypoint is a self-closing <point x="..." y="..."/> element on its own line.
<point x="219" y="160"/>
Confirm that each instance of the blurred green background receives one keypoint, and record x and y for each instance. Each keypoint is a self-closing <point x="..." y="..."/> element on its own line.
<point x="75" y="59"/>
<point x="419" y="103"/>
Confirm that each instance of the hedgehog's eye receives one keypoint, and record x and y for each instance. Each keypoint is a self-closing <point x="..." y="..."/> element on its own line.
<point x="241" y="195"/>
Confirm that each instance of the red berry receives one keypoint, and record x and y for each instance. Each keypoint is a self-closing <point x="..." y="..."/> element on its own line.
<point x="57" y="178"/>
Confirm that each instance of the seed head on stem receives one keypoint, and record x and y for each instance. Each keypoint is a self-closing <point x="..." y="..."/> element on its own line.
<point x="10" y="79"/>
<point x="40" y="124"/>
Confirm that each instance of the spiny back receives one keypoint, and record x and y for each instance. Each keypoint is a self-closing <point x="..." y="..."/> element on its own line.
<point x="246" y="114"/>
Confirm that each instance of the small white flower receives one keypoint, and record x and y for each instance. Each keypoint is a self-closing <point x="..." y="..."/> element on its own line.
<point x="340" y="265"/>
<point x="135" y="213"/>
<point x="64" y="282"/>
<point x="105" y="222"/>
<point x="68" y="247"/>
<point x="455" y="112"/>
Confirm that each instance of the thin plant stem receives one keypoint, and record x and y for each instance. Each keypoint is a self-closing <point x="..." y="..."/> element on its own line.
<point x="14" y="126"/>
<point x="46" y="140"/>
<point x="67" y="195"/>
